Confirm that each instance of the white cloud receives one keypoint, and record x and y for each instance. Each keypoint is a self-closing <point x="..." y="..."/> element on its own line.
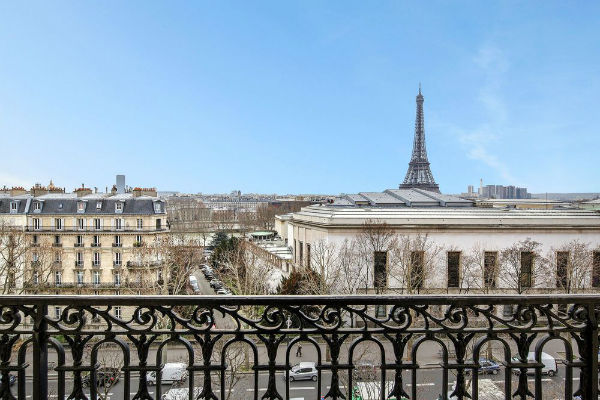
<point x="493" y="64"/>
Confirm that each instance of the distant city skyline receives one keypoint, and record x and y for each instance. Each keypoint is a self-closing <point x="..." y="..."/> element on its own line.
<point x="298" y="97"/>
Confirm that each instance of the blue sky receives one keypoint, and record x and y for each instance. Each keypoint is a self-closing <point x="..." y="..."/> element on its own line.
<point x="299" y="97"/>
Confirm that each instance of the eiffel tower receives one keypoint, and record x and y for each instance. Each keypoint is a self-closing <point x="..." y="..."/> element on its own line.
<point x="419" y="174"/>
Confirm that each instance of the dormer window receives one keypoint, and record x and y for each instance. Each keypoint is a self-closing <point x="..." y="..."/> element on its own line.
<point x="157" y="207"/>
<point x="37" y="206"/>
<point x="14" y="206"/>
<point x="60" y="206"/>
<point x="119" y="207"/>
<point x="80" y="206"/>
<point x="98" y="205"/>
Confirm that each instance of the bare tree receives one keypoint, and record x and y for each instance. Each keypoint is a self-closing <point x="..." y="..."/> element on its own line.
<point x="521" y="266"/>
<point x="569" y="266"/>
<point x="24" y="265"/>
<point x="414" y="261"/>
<point x="373" y="244"/>
<point x="479" y="269"/>
<point x="236" y="361"/>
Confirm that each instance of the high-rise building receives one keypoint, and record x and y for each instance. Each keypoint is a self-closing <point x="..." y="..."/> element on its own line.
<point x="120" y="184"/>
<point x="419" y="174"/>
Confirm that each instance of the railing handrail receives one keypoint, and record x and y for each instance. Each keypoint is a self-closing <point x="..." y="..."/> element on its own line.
<point x="332" y="300"/>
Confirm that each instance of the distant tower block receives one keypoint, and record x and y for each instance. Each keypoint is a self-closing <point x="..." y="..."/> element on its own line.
<point x="419" y="174"/>
<point x="120" y="183"/>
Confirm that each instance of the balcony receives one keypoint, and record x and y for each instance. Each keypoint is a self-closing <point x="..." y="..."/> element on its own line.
<point x="97" y="244"/>
<point x="354" y="341"/>
<point x="57" y="245"/>
<point x="78" y="245"/>
<point x="117" y="263"/>
<point x="79" y="264"/>
<point x="117" y="245"/>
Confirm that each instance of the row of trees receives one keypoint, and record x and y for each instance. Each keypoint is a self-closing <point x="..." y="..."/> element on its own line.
<point x="379" y="258"/>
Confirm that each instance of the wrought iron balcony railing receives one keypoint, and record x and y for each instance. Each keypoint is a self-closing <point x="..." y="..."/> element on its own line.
<point x="65" y="328"/>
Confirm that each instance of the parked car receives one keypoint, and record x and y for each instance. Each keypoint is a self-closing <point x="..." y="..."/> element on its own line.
<point x="488" y="390"/>
<point x="105" y="377"/>
<point x="171" y="372"/>
<point x="223" y="291"/>
<point x="549" y="362"/>
<point x="216" y="284"/>
<point x="304" y="371"/>
<point x="11" y="380"/>
<point x="486" y="367"/>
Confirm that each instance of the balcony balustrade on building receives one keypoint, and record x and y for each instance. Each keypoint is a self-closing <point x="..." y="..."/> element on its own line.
<point x="270" y="327"/>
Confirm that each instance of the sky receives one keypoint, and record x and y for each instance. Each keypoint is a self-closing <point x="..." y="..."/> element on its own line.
<point x="299" y="96"/>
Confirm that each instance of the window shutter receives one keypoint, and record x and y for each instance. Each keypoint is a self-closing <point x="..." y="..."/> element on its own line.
<point x="74" y="224"/>
<point x="101" y="223"/>
<point x="62" y="223"/>
<point x="112" y="224"/>
<point x="52" y="223"/>
<point x="30" y="223"/>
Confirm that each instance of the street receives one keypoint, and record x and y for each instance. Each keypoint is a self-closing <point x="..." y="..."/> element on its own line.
<point x="429" y="386"/>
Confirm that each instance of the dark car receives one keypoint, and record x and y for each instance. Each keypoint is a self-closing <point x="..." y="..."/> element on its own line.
<point x="11" y="379"/>
<point x="487" y="367"/>
<point x="105" y="377"/>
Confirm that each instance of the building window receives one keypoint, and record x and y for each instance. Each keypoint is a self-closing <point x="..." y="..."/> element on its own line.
<point x="118" y="312"/>
<point x="80" y="206"/>
<point x="57" y="312"/>
<point x="562" y="268"/>
<point x="97" y="225"/>
<point x="118" y="207"/>
<point x="308" y="255"/>
<point x="58" y="223"/>
<point x="380" y="269"/>
<point x="596" y="269"/>
<point x="56" y="239"/>
<point x="140" y="223"/>
<point x="79" y="241"/>
<point x="156" y="207"/>
<point x="96" y="277"/>
<point x="416" y="269"/>
<point x="295" y="248"/>
<point x="453" y="269"/>
<point x="79" y="259"/>
<point x="57" y="277"/>
<point x="98" y="205"/>
<point x="301" y="252"/>
<point x="35" y="277"/>
<point x="118" y="224"/>
<point x="80" y="224"/>
<point x="526" y="277"/>
<point x="117" y="259"/>
<point x="36" y="224"/>
<point x="35" y="239"/>
<point x="14" y="206"/>
<point x="117" y="278"/>
<point x="35" y="257"/>
<point x="57" y="257"/>
<point x="37" y="206"/>
<point x="79" y="277"/>
<point x="117" y="240"/>
<point x="96" y="258"/>
<point x="158" y="223"/>
<point x="490" y="266"/>
<point x="96" y="241"/>
<point x="138" y="240"/>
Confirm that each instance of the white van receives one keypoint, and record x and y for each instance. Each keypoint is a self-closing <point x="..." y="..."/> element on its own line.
<point x="171" y="372"/>
<point x="549" y="362"/>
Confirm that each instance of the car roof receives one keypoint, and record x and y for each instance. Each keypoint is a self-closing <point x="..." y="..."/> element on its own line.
<point x="307" y="364"/>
